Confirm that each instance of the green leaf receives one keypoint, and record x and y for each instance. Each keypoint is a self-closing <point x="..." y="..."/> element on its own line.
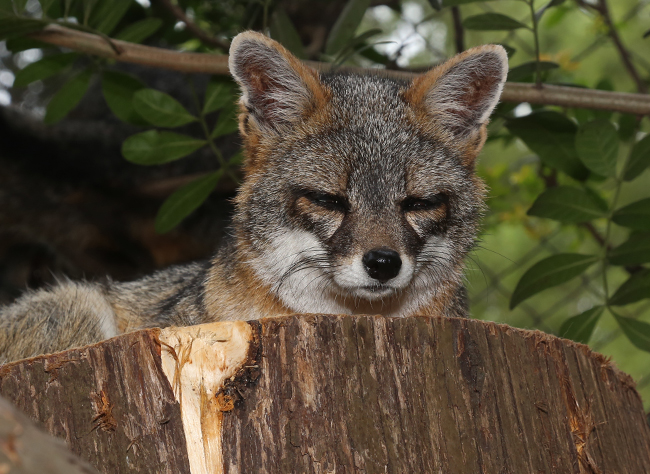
<point x="154" y="147"/>
<point x="597" y="146"/>
<point x="349" y="52"/>
<point x="635" y="216"/>
<point x="373" y="55"/>
<point x="639" y="159"/>
<point x="140" y="30"/>
<point x="346" y="25"/>
<point x="20" y="5"/>
<point x="550" y="272"/>
<point x="46" y="5"/>
<point x="634" y="251"/>
<point x="108" y="15"/>
<point x="357" y="46"/>
<point x="551" y="136"/>
<point x="184" y="201"/>
<point x="627" y="125"/>
<point x="227" y="122"/>
<point x="600" y="201"/>
<point x="636" y="288"/>
<point x="567" y="204"/>
<point x="638" y="332"/>
<point x="579" y="328"/>
<point x="67" y="97"/>
<point x="453" y="3"/>
<point x="44" y="68"/>
<point x="358" y="43"/>
<point x="88" y="6"/>
<point x="67" y="5"/>
<point x="161" y="109"/>
<point x="14" y="27"/>
<point x="283" y="31"/>
<point x="236" y="159"/>
<point x="218" y="93"/>
<point x="525" y="70"/>
<point x="492" y="22"/>
<point x="6" y="8"/>
<point x="118" y="89"/>
<point x="552" y="3"/>
<point x="605" y="84"/>
<point x="360" y="40"/>
<point x="16" y="45"/>
<point x="53" y="8"/>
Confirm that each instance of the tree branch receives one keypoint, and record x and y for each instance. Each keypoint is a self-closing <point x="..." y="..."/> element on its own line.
<point x="638" y="104"/>
<point x="603" y="9"/>
<point x="625" y="55"/>
<point x="631" y="269"/>
<point x="192" y="27"/>
<point x="133" y="53"/>
<point x="459" y="32"/>
<point x="550" y="181"/>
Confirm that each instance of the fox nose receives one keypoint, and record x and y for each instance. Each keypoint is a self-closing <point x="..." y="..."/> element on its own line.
<point x="382" y="264"/>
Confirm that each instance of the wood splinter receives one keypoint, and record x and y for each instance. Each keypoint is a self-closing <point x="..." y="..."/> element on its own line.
<point x="198" y="360"/>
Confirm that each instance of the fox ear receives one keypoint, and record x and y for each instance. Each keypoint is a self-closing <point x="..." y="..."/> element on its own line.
<point x="461" y="93"/>
<point x="277" y="89"/>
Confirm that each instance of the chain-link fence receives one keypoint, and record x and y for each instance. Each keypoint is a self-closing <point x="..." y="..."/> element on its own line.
<point x="491" y="284"/>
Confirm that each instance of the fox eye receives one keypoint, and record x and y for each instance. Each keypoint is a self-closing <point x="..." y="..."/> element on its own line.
<point x="425" y="204"/>
<point x="328" y="201"/>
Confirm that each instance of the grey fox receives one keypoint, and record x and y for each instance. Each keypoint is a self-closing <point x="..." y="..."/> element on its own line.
<point x="359" y="196"/>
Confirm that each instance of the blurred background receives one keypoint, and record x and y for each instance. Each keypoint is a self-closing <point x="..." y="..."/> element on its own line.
<point x="72" y="205"/>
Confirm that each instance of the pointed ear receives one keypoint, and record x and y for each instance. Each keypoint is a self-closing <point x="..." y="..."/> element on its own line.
<point x="277" y="89"/>
<point x="460" y="94"/>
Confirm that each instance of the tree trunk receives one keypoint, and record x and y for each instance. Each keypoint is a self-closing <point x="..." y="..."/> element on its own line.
<point x="344" y="394"/>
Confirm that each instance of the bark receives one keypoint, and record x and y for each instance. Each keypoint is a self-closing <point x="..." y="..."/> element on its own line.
<point x="345" y="394"/>
<point x="111" y="403"/>
<point x="638" y="104"/>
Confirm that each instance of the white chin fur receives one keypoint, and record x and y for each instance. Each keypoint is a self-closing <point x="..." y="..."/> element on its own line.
<point x="310" y="289"/>
<point x="354" y="279"/>
<point x="373" y="294"/>
<point x="303" y="288"/>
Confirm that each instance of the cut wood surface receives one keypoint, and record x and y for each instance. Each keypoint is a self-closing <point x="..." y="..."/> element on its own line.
<point x="344" y="394"/>
<point x="198" y="361"/>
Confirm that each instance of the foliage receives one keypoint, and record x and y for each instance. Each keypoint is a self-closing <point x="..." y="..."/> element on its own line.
<point x="583" y="162"/>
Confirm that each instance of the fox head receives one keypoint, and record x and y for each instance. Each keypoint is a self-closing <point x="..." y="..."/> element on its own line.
<point x="360" y="193"/>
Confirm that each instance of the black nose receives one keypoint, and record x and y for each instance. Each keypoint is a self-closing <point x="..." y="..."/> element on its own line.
<point x="382" y="264"/>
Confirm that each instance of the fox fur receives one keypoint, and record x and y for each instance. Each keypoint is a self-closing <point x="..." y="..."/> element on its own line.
<point x="359" y="196"/>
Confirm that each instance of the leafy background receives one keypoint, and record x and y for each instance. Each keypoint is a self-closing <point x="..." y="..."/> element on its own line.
<point x="566" y="242"/>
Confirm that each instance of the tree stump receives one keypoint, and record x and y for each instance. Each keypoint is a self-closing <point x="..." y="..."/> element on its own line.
<point x="344" y="394"/>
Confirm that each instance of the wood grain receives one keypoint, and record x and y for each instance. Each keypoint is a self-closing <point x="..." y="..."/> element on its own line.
<point x="375" y="395"/>
<point x="352" y="394"/>
<point x="110" y="402"/>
